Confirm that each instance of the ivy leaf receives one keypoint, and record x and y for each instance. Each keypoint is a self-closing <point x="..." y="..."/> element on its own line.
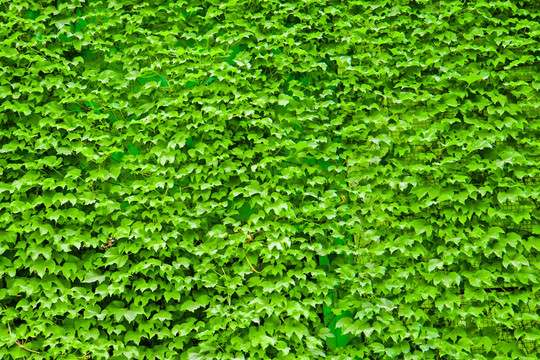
<point x="92" y="277"/>
<point x="517" y="261"/>
<point x="435" y="264"/>
<point x="131" y="315"/>
<point x="481" y="277"/>
<point x="5" y="91"/>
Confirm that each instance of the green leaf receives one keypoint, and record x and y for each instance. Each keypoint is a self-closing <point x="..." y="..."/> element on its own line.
<point x="481" y="277"/>
<point x="190" y="305"/>
<point x="5" y="91"/>
<point x="131" y="315"/>
<point x="92" y="277"/>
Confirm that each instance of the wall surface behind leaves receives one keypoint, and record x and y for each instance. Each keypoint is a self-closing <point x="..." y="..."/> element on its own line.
<point x="289" y="180"/>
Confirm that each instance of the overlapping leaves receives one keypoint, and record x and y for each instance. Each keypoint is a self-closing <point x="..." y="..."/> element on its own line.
<point x="269" y="180"/>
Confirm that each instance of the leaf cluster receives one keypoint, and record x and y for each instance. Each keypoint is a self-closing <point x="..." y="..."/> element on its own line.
<point x="292" y="180"/>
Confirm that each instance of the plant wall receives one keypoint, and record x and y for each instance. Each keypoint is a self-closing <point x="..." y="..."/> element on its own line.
<point x="258" y="180"/>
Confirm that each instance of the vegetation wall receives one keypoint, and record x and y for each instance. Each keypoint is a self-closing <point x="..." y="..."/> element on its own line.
<point x="269" y="179"/>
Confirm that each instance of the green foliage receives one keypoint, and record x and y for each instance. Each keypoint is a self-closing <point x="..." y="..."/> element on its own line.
<point x="292" y="180"/>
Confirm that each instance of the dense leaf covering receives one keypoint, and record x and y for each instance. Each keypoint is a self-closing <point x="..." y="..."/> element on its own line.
<point x="268" y="179"/>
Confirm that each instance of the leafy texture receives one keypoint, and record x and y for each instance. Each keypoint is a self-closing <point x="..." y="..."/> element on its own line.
<point x="292" y="180"/>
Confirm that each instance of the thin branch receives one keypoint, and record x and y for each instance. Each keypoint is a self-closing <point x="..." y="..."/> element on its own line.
<point x="251" y="266"/>
<point x="228" y="294"/>
<point x="86" y="356"/>
<point x="21" y="345"/>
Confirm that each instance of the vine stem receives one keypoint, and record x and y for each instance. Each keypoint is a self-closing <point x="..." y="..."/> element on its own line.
<point x="86" y="355"/>
<point x="251" y="266"/>
<point x="228" y="293"/>
<point x="21" y="345"/>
